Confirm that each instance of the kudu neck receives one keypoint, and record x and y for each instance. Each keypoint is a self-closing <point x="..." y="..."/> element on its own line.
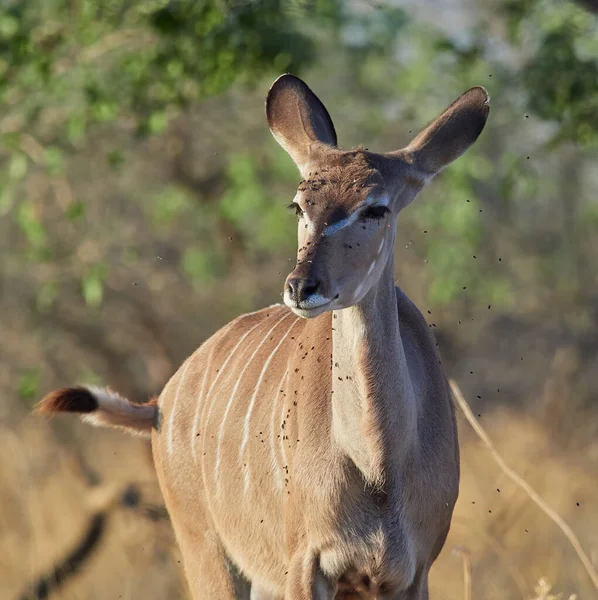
<point x="373" y="412"/>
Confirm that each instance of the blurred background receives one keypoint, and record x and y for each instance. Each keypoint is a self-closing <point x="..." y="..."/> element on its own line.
<point x="142" y="206"/>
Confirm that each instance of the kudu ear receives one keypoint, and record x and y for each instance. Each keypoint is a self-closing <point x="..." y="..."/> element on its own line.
<point x="451" y="134"/>
<point x="298" y="120"/>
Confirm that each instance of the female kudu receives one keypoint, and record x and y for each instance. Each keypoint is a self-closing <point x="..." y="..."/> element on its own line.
<point x="309" y="450"/>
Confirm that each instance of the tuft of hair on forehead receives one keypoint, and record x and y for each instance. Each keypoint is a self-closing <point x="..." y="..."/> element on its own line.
<point x="343" y="172"/>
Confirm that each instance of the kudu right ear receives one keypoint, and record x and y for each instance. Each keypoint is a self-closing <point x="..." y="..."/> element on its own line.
<point x="451" y="134"/>
<point x="299" y="121"/>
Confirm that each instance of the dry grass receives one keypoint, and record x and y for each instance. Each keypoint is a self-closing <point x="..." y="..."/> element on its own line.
<point x="46" y="504"/>
<point x="510" y="548"/>
<point x="525" y="486"/>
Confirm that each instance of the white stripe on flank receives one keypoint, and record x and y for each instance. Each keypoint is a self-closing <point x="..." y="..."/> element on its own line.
<point x="164" y="391"/>
<point x="194" y="440"/>
<point x="277" y="471"/>
<point x="230" y="403"/>
<point x="252" y="403"/>
<point x="220" y="371"/>
<point x="170" y="427"/>
<point x="282" y="452"/>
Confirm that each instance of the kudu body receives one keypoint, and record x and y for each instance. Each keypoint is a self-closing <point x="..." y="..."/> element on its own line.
<point x="315" y="457"/>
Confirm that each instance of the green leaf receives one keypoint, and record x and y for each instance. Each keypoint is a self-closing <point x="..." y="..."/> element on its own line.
<point x="28" y="384"/>
<point x="92" y="291"/>
<point x="92" y="285"/>
<point x="158" y="122"/>
<point x="17" y="167"/>
<point x="9" y="26"/>
<point x="76" y="127"/>
<point x="75" y="210"/>
<point x="30" y="225"/>
<point x="54" y="160"/>
<point x="105" y="111"/>
<point x="169" y="204"/>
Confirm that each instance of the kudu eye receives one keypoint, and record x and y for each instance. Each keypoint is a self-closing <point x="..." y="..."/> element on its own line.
<point x="375" y="212"/>
<point x="298" y="210"/>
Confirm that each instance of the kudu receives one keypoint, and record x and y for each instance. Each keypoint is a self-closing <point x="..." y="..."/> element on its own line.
<point x="310" y="450"/>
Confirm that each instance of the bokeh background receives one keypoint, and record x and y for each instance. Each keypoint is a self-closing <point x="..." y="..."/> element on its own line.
<point x="142" y="206"/>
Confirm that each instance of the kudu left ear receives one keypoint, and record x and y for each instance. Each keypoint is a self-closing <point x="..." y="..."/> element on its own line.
<point x="451" y="134"/>
<point x="299" y="121"/>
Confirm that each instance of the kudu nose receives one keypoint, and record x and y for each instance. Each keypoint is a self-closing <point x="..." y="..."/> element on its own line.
<point x="301" y="289"/>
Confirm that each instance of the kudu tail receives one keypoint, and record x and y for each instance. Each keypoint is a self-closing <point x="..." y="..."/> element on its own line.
<point x="102" y="407"/>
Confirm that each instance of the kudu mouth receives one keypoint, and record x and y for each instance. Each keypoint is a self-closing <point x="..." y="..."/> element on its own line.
<point x="307" y="296"/>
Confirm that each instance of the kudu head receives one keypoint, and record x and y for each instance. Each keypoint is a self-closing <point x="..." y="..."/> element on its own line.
<point x="348" y="202"/>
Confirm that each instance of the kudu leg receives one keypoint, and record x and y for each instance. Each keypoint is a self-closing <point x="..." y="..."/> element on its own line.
<point x="207" y="568"/>
<point x="306" y="580"/>
<point x="419" y="588"/>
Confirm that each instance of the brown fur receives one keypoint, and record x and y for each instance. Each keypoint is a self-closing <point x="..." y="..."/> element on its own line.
<point x="317" y="458"/>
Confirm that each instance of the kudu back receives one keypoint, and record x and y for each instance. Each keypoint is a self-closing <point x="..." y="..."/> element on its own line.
<point x="309" y="450"/>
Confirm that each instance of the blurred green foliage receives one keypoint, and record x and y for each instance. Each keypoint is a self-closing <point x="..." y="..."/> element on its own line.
<point x="561" y="71"/>
<point x="70" y="70"/>
<point x="99" y="60"/>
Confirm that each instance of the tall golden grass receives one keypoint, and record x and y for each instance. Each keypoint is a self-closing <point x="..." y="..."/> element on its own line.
<point x="502" y="545"/>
